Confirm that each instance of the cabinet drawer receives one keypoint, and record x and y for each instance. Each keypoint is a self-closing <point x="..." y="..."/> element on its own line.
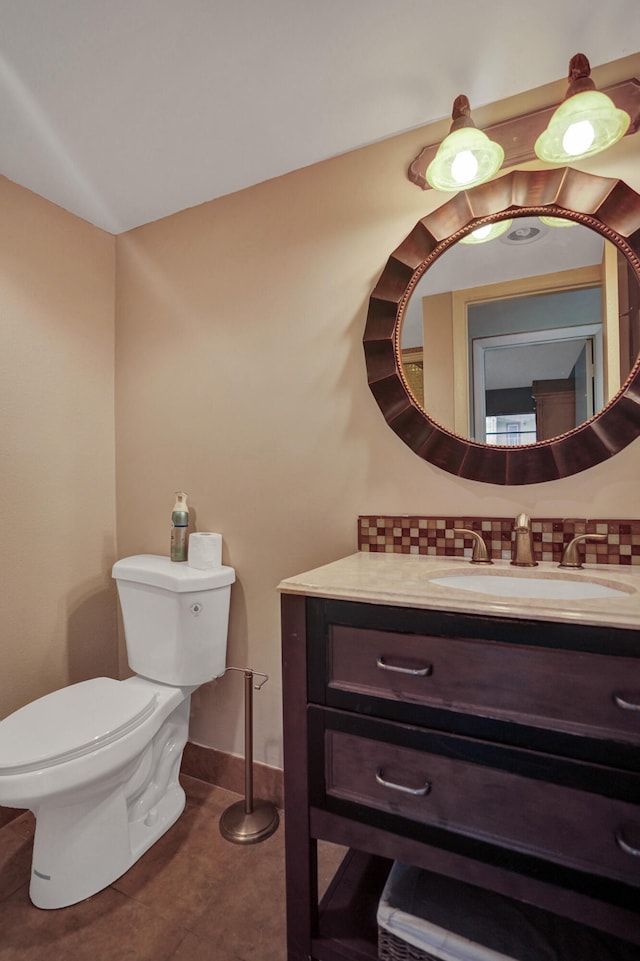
<point x="565" y="825"/>
<point x="565" y="690"/>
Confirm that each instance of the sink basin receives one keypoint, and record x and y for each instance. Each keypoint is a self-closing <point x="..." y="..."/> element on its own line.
<point x="523" y="586"/>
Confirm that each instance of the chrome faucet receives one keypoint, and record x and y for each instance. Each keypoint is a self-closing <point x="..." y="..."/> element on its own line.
<point x="522" y="554"/>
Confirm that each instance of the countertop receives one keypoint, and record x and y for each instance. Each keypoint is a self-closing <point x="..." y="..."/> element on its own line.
<point x="404" y="580"/>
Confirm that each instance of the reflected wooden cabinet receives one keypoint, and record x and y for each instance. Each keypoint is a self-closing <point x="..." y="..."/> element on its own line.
<point x="555" y="409"/>
<point x="501" y="752"/>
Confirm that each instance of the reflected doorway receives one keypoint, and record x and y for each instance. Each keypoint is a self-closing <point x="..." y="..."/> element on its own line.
<point x="535" y="385"/>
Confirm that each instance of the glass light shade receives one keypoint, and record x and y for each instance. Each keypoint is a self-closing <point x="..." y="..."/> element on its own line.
<point x="583" y="125"/>
<point x="465" y="158"/>
<point x="557" y="222"/>
<point x="489" y="232"/>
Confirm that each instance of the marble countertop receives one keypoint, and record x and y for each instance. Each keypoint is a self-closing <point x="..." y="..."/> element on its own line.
<point x="405" y="580"/>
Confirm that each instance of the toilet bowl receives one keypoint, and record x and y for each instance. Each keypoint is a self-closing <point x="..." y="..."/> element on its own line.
<point x="98" y="762"/>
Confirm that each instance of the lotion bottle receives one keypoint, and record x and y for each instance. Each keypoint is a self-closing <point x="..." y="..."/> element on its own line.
<point x="179" y="527"/>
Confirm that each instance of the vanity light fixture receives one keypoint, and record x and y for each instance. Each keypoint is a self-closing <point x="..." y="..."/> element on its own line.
<point x="585" y="123"/>
<point x="489" y="232"/>
<point x="466" y="157"/>
<point x="517" y="135"/>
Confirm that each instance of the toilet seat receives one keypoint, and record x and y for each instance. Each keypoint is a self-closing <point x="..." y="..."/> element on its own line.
<point x="71" y="722"/>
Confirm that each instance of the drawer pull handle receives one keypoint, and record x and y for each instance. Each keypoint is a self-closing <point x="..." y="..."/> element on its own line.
<point x="415" y="791"/>
<point x="625" y="846"/>
<point x="414" y="671"/>
<point x="622" y="701"/>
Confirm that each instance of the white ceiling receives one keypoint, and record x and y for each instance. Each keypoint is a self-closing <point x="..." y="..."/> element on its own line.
<point x="124" y="111"/>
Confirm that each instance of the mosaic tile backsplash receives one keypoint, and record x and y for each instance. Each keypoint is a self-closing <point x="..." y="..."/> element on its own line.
<point x="434" y="536"/>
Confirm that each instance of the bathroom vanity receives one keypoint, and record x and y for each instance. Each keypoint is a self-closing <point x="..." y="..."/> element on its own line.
<point x="492" y="740"/>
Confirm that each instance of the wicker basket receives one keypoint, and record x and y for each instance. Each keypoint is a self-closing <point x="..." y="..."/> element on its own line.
<point x="425" y="917"/>
<point x="391" y="948"/>
<point x="408" y="932"/>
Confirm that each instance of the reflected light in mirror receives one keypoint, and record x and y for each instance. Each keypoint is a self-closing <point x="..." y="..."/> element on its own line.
<point x="486" y="233"/>
<point x="557" y="222"/>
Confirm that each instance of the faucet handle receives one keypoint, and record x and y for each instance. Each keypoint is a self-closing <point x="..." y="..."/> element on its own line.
<point x="480" y="554"/>
<point x="570" y="556"/>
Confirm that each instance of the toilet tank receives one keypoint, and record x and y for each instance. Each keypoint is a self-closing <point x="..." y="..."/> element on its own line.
<point x="175" y="617"/>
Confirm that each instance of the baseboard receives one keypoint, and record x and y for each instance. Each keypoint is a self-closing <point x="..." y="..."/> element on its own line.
<point x="228" y="771"/>
<point x="9" y="814"/>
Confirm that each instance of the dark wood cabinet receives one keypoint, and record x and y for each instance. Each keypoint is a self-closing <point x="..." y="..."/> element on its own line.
<point x="498" y="751"/>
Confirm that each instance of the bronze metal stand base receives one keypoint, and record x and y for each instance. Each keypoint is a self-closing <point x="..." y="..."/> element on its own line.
<point x="248" y="827"/>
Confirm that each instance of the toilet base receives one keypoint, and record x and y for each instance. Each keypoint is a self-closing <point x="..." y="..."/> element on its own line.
<point x="82" y="846"/>
<point x="75" y="856"/>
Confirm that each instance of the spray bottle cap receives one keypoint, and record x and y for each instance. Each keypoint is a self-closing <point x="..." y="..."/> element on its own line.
<point x="180" y="514"/>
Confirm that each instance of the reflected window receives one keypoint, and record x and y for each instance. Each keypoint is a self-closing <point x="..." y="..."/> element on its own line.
<point x="511" y="431"/>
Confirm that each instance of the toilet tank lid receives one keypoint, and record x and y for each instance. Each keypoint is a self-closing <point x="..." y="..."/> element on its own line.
<point x="159" y="571"/>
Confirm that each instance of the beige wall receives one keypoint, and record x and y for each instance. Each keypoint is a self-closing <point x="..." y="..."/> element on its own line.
<point x="240" y="378"/>
<point x="57" y="448"/>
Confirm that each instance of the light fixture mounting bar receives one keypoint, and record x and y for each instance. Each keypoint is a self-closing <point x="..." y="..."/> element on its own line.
<point x="518" y="135"/>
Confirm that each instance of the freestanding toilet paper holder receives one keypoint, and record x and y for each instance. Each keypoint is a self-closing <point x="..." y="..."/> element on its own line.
<point x="250" y="820"/>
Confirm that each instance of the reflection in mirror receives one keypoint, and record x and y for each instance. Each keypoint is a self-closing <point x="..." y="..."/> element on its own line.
<point x="536" y="385"/>
<point x="524" y="337"/>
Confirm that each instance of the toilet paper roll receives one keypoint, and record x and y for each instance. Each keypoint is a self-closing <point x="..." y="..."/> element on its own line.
<point x="205" y="550"/>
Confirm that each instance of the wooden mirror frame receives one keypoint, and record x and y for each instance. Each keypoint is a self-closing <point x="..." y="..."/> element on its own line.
<point x="607" y="206"/>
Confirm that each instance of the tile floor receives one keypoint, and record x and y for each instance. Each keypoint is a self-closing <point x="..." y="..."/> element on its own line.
<point x="192" y="897"/>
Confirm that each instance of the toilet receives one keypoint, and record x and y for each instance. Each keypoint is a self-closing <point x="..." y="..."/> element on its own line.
<point x="98" y="762"/>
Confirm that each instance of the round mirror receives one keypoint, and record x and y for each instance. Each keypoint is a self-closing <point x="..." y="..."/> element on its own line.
<point x="502" y="338"/>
